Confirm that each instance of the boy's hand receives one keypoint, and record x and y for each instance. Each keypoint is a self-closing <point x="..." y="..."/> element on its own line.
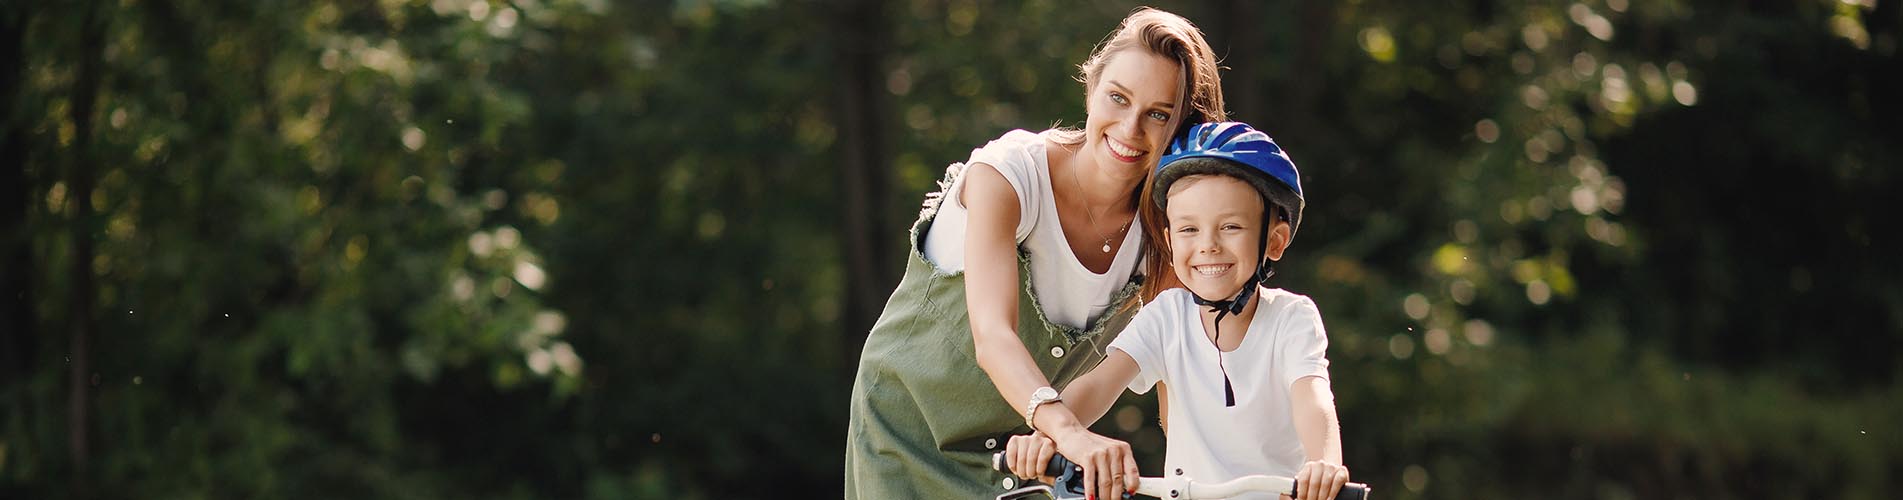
<point x="1028" y="454"/>
<point x="1319" y="480"/>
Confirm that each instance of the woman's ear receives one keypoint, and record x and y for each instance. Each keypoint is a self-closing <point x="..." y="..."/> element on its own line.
<point x="1278" y="240"/>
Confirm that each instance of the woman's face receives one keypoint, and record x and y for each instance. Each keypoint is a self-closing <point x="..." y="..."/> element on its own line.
<point x="1129" y="110"/>
<point x="1214" y="229"/>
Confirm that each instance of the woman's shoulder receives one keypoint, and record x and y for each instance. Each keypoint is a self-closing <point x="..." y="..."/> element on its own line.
<point x="1017" y="140"/>
<point x="1014" y="154"/>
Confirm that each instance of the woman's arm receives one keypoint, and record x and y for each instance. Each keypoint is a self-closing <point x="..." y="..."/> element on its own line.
<point x="991" y="295"/>
<point x="1088" y="397"/>
<point x="1313" y="406"/>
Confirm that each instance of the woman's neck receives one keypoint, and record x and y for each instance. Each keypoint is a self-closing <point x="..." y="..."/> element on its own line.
<point x="1102" y="187"/>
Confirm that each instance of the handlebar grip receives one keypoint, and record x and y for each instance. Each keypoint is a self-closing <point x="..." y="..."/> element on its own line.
<point x="1354" y="491"/>
<point x="1069" y="476"/>
<point x="1056" y="468"/>
<point x="1067" y="473"/>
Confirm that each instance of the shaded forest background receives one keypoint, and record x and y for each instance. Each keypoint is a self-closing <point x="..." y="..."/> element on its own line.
<point x="588" y="249"/>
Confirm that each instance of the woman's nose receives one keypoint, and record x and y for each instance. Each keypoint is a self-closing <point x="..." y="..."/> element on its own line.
<point x="1131" y="126"/>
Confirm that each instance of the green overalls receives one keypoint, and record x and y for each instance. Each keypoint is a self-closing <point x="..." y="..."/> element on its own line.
<point x="925" y="419"/>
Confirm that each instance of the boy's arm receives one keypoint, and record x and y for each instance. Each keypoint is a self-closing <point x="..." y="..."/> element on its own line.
<point x="1313" y="402"/>
<point x="1091" y="395"/>
<point x="1313" y="407"/>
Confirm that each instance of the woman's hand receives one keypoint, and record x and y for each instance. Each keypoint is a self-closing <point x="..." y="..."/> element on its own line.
<point x="1028" y="455"/>
<point x="1110" y="470"/>
<point x="1319" y="480"/>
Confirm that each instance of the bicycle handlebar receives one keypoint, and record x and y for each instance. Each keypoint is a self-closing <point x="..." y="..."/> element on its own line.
<point x="1070" y="479"/>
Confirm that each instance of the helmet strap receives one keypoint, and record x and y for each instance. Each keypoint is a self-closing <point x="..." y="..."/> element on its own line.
<point x="1235" y="305"/>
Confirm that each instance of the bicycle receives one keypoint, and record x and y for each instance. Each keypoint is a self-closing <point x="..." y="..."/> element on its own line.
<point x="1069" y="484"/>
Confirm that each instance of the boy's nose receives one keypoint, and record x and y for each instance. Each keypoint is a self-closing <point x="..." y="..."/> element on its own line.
<point x="1207" y="244"/>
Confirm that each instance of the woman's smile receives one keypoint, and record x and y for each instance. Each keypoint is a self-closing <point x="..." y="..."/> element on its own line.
<point x="1123" y="152"/>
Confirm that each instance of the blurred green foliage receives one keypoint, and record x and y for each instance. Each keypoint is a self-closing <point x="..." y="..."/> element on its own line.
<point x="592" y="249"/>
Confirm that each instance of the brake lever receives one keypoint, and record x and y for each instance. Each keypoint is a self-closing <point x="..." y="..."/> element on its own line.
<point x="1068" y="484"/>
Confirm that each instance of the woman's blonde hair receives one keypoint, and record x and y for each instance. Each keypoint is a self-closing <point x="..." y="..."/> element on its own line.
<point x="1174" y="37"/>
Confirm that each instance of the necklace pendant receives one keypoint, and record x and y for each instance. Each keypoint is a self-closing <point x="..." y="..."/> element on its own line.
<point x="1106" y="248"/>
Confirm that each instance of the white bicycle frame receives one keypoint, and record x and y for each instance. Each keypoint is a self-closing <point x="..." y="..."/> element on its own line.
<point x="1185" y="488"/>
<point x="1169" y="488"/>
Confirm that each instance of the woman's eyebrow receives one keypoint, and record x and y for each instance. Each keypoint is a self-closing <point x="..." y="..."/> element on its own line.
<point x="1126" y="90"/>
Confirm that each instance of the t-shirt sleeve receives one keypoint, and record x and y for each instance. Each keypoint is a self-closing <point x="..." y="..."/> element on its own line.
<point x="1304" y="343"/>
<point x="1143" y="341"/>
<point x="1014" y="156"/>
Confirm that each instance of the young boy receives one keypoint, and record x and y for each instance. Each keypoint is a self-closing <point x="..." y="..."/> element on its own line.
<point x="1244" y="365"/>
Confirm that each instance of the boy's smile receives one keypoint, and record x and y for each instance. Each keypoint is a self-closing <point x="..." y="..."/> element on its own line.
<point x="1213" y="270"/>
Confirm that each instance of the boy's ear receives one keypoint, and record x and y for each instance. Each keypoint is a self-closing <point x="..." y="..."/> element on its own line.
<point x="1278" y="240"/>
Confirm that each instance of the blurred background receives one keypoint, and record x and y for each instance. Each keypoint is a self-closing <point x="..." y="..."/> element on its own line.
<point x="1611" y="249"/>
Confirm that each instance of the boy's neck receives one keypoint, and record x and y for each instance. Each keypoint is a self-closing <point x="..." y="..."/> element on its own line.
<point x="1235" y="327"/>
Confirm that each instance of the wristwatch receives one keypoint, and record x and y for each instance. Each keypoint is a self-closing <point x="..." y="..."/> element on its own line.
<point x="1038" y="398"/>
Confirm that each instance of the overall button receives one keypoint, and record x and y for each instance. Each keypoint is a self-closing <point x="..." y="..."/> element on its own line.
<point x="991" y="443"/>
<point x="1057" y="352"/>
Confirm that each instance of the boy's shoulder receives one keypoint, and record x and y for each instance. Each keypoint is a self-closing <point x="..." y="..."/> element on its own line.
<point x="1173" y="306"/>
<point x="1281" y="303"/>
<point x="1277" y="303"/>
<point x="1173" y="300"/>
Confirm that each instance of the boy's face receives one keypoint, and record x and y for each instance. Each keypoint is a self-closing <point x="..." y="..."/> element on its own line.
<point x="1215" y="225"/>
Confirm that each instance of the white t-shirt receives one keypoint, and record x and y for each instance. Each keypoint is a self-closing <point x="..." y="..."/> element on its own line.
<point x="1068" y="292"/>
<point x="1208" y="441"/>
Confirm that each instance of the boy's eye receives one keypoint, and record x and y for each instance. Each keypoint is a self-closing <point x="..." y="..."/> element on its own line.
<point x="1231" y="227"/>
<point x="1159" y="116"/>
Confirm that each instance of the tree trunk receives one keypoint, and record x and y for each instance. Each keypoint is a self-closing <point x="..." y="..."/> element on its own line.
<point x="1237" y="36"/>
<point x="80" y="184"/>
<point x="16" y="248"/>
<point x="864" y="178"/>
<point x="1305" y="84"/>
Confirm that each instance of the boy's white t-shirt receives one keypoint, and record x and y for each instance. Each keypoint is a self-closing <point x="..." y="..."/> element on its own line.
<point x="1208" y="441"/>
<point x="1068" y="292"/>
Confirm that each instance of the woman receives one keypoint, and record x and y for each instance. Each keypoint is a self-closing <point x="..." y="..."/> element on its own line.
<point x="1031" y="250"/>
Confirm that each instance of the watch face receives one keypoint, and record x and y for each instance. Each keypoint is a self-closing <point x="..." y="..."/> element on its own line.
<point x="1044" y="394"/>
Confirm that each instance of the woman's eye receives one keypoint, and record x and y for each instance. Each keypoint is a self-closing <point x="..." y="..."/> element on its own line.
<point x="1118" y="98"/>
<point x="1159" y="116"/>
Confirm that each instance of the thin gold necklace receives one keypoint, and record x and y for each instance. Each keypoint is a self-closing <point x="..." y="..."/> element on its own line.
<point x="1082" y="195"/>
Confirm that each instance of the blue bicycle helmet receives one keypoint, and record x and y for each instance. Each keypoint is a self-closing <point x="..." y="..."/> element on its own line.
<point x="1237" y="150"/>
